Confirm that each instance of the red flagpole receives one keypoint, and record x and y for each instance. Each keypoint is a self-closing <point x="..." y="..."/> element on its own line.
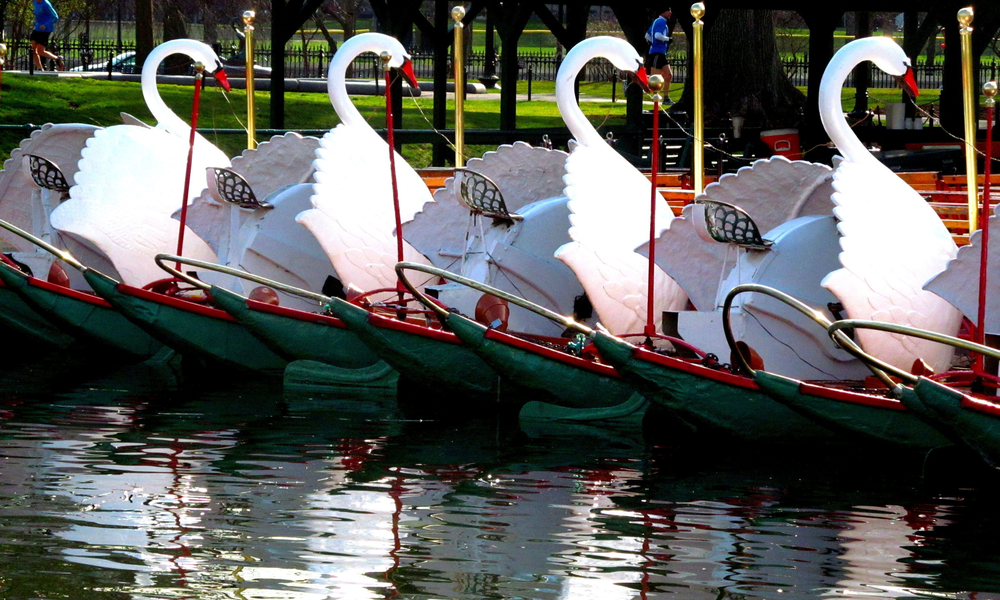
<point x="654" y="154"/>
<point x="392" y="168"/>
<point x="984" y="224"/>
<point x="190" y="159"/>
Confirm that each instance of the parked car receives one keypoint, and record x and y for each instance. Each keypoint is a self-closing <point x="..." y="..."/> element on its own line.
<point x="122" y="63"/>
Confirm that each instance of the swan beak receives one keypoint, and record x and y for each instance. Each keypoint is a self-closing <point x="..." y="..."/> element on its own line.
<point x="411" y="78"/>
<point x="222" y="78"/>
<point x="909" y="83"/>
<point x="642" y="77"/>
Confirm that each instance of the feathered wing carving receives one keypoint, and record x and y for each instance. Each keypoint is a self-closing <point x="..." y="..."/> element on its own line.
<point x="353" y="216"/>
<point x="609" y="204"/>
<point x="131" y="237"/>
<point x="891" y="243"/>
<point x="282" y="161"/>
<point x="772" y="191"/>
<point x="133" y="173"/>
<point x="524" y="174"/>
<point x="959" y="282"/>
<point x="19" y="197"/>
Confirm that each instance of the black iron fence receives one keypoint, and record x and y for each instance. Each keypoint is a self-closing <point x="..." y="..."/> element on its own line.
<point x="312" y="60"/>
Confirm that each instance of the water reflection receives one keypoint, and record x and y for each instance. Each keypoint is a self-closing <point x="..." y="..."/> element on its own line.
<point x="131" y="484"/>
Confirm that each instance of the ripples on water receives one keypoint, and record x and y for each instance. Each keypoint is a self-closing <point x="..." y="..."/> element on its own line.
<point x="127" y="485"/>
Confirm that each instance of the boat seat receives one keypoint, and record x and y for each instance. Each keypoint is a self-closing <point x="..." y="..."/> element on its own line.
<point x="482" y="195"/>
<point x="729" y="224"/>
<point x="46" y="174"/>
<point x="233" y="188"/>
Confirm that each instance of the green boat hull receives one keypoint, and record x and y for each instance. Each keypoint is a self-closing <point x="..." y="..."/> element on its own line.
<point x="205" y="333"/>
<point x="432" y="359"/>
<point x="566" y="381"/>
<point x="870" y="417"/>
<point x="82" y="316"/>
<point x="19" y="319"/>
<point x="324" y="339"/>
<point x="312" y="376"/>
<point x="973" y="422"/>
<point x="709" y="399"/>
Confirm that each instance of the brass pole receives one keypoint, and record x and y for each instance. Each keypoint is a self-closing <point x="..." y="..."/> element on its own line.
<point x="248" y="18"/>
<point x="971" y="118"/>
<point x="457" y="14"/>
<point x="698" y="11"/>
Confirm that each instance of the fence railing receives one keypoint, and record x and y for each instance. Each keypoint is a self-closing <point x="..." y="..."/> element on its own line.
<point x="311" y="61"/>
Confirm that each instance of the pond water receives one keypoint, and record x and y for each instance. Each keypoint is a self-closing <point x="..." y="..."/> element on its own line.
<point x="128" y="484"/>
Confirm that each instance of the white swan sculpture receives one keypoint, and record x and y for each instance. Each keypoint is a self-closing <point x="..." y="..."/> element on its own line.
<point x="609" y="203"/>
<point x="892" y="242"/>
<point x="352" y="215"/>
<point x="131" y="179"/>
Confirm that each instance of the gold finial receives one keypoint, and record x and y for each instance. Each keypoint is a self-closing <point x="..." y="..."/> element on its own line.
<point x="965" y="16"/>
<point x="458" y="13"/>
<point x="990" y="91"/>
<point x="3" y="50"/>
<point x="199" y="67"/>
<point x="248" y="17"/>
<point x="655" y="83"/>
<point x="698" y="10"/>
<point x="385" y="56"/>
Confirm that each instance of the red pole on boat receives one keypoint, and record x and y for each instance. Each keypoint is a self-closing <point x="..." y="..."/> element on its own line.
<point x="990" y="90"/>
<point x="199" y="74"/>
<point x="386" y="57"/>
<point x="655" y="85"/>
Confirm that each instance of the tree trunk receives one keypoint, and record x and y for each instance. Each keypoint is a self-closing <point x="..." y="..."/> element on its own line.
<point x="174" y="28"/>
<point x="143" y="31"/>
<point x="743" y="72"/>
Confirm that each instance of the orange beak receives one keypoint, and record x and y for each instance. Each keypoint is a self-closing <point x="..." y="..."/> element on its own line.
<point x="642" y="77"/>
<point x="909" y="83"/>
<point x="221" y="77"/>
<point x="411" y="78"/>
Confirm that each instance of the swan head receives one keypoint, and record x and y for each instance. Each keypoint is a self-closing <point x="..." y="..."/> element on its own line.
<point x="623" y="57"/>
<point x="400" y="59"/>
<point x="894" y="61"/>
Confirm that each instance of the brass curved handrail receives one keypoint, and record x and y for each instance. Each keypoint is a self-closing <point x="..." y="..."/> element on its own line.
<point x="441" y="312"/>
<point x="877" y="366"/>
<point x="62" y="255"/>
<point x="924" y="334"/>
<point x="161" y="259"/>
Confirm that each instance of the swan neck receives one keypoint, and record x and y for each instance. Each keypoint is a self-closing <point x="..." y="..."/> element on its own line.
<point x="337" y="76"/>
<point x="831" y="107"/>
<point x="165" y="117"/>
<point x="566" y="101"/>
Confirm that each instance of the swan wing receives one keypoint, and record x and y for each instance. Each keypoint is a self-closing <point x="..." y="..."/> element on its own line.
<point x="142" y="166"/>
<point x="959" y="282"/>
<point x="361" y="256"/>
<point x="891" y="243"/>
<point x="353" y="192"/>
<point x="129" y="237"/>
<point x="609" y="216"/>
<point x="615" y="283"/>
<point x="19" y="196"/>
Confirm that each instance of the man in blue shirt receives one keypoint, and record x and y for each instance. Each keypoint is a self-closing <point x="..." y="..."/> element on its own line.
<point x="659" y="40"/>
<point x="45" y="21"/>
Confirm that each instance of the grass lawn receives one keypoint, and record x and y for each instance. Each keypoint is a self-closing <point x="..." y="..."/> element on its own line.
<point x="43" y="99"/>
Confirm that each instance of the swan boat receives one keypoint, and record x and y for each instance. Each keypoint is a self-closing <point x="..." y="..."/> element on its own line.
<point x="434" y="357"/>
<point x="748" y="402"/>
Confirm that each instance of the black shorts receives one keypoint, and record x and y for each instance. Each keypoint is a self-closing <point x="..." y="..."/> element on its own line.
<point x="42" y="37"/>
<point x="656" y="61"/>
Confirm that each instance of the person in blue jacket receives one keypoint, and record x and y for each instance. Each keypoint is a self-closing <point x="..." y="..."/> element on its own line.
<point x="45" y="21"/>
<point x="659" y="40"/>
